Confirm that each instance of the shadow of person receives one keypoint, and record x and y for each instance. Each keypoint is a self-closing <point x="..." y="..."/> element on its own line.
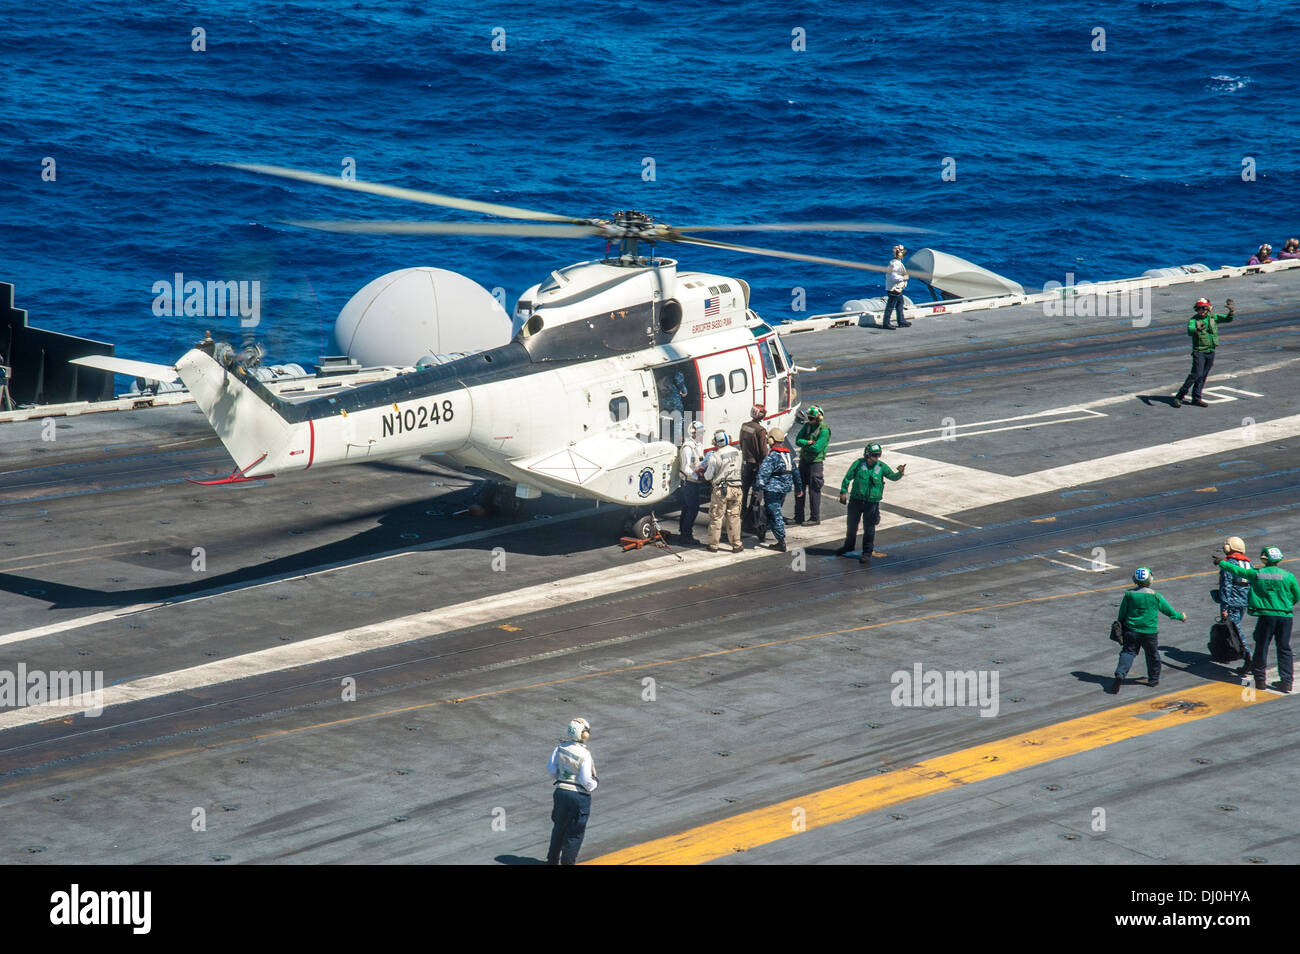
<point x="1201" y="665"/>
<point x="1092" y="677"/>
<point x="518" y="860"/>
<point x="1149" y="399"/>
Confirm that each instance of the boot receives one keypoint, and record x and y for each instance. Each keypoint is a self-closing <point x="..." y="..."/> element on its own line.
<point x="780" y="545"/>
<point x="865" y="559"/>
<point x="1114" y="686"/>
<point x="848" y="547"/>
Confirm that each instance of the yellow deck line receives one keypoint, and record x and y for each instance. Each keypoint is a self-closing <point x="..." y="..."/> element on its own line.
<point x="817" y="809"/>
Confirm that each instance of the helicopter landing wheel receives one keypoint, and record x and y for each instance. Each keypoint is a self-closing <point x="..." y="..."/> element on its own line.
<point x="643" y="527"/>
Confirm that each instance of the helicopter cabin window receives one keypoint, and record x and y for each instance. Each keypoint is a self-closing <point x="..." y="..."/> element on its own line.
<point x="716" y="386"/>
<point x="619" y="409"/>
<point x="739" y="380"/>
<point x="769" y="366"/>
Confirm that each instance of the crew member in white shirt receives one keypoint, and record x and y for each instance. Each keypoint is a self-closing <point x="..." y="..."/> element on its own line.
<point x="574" y="772"/>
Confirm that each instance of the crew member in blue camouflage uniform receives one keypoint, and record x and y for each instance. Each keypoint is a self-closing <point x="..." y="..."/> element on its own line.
<point x="776" y="477"/>
<point x="1234" y="592"/>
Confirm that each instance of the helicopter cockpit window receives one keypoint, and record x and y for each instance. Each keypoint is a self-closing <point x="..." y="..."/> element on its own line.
<point x="777" y="355"/>
<point x="739" y="380"/>
<point x="715" y="385"/>
<point x="769" y="366"/>
<point x="619" y="409"/>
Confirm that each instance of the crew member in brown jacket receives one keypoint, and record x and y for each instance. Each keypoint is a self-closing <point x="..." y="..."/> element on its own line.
<point x="753" y="448"/>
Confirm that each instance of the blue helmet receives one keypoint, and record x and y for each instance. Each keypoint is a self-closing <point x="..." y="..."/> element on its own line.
<point x="1142" y="576"/>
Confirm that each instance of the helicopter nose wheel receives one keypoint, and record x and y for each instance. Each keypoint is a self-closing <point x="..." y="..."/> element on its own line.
<point x="643" y="526"/>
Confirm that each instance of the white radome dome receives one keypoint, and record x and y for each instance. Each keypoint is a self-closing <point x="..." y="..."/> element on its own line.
<point x="413" y="315"/>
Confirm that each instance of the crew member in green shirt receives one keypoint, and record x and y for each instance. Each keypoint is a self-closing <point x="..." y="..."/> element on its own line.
<point x="811" y="441"/>
<point x="1138" y="616"/>
<point x="1204" y="331"/>
<point x="862" y="488"/>
<point x="1274" y="593"/>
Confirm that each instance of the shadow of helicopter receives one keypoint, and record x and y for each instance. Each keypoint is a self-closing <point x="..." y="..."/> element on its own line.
<point x="430" y="521"/>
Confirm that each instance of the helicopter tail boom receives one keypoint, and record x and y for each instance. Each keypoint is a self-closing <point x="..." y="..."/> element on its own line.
<point x="258" y="439"/>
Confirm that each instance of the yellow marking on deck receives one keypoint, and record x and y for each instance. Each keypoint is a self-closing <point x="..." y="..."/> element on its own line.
<point x="764" y="826"/>
<point x="1044" y="520"/>
<point x="1206" y="490"/>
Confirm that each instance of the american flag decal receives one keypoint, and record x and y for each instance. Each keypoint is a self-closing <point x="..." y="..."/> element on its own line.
<point x="711" y="306"/>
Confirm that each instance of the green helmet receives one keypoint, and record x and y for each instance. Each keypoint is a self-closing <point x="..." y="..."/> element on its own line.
<point x="1271" y="555"/>
<point x="872" y="449"/>
<point x="814" y="411"/>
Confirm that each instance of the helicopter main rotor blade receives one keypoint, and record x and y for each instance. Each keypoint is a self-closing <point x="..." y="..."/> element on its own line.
<point x="774" y="253"/>
<point x="410" y="195"/>
<point x="801" y="227"/>
<point x="540" y="230"/>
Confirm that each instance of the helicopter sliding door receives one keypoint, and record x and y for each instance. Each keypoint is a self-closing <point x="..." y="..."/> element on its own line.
<point x="730" y="388"/>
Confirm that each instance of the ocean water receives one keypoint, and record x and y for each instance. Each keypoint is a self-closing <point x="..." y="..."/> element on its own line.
<point x="1068" y="159"/>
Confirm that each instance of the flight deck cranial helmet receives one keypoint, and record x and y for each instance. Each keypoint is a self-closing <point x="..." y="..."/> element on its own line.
<point x="1202" y="303"/>
<point x="757" y="412"/>
<point x="1234" y="545"/>
<point x="720" y="439"/>
<point x="697" y="426"/>
<point x="579" y="730"/>
<point x="814" y="412"/>
<point x="1270" y="555"/>
<point x="871" y="450"/>
<point x="1142" y="576"/>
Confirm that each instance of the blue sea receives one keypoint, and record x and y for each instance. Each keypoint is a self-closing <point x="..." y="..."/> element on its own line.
<point x="1068" y="158"/>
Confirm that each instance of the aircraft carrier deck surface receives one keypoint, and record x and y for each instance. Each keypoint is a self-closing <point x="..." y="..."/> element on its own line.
<point x="742" y="705"/>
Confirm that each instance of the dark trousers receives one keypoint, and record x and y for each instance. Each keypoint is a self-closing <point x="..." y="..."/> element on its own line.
<point x="747" y="474"/>
<point x="1269" y="629"/>
<point x="894" y="303"/>
<point x="813" y="481"/>
<point x="869" y="514"/>
<point x="1148" y="642"/>
<point x="1201" y="364"/>
<point x="690" y="507"/>
<point x="570" y="818"/>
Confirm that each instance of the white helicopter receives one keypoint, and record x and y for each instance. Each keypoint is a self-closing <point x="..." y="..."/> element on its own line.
<point x="612" y="360"/>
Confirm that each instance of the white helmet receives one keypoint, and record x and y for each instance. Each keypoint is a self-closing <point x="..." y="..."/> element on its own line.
<point x="697" y="426"/>
<point x="720" y="439"/>
<point x="579" y="730"/>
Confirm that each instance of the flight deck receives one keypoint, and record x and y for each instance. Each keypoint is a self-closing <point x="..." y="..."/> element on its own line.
<point x="348" y="666"/>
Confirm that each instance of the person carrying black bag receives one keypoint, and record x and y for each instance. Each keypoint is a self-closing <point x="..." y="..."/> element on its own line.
<point x="1139" y="624"/>
<point x="1232" y="595"/>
